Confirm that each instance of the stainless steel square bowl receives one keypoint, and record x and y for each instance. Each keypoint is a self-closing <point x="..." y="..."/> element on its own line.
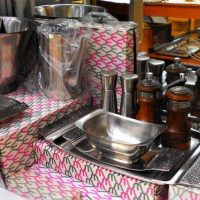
<point x="75" y="11"/>
<point x="114" y="133"/>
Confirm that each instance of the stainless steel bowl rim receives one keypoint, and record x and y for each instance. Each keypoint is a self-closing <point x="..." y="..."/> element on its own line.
<point x="37" y="8"/>
<point x="70" y="5"/>
<point x="80" y="124"/>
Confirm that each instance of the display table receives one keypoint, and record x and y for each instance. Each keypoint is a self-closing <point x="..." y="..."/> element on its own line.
<point x="173" y="8"/>
<point x="190" y="62"/>
<point x="170" y="8"/>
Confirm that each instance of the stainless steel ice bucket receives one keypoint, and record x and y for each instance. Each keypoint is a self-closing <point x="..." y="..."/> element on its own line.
<point x="66" y="10"/>
<point x="16" y="50"/>
<point x="62" y="60"/>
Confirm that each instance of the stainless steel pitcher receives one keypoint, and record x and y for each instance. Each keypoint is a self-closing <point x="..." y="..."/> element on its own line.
<point x="62" y="64"/>
<point x="17" y="8"/>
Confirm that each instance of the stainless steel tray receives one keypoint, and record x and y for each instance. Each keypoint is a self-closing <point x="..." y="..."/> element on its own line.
<point x="192" y="176"/>
<point x="156" y="170"/>
<point x="10" y="107"/>
<point x="162" y="159"/>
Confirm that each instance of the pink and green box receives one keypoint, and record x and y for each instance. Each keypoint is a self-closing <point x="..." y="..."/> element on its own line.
<point x="17" y="134"/>
<point x="180" y="192"/>
<point x="38" y="182"/>
<point x="96" y="175"/>
<point x="111" y="47"/>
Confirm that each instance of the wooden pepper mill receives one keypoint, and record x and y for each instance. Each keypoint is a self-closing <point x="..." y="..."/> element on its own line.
<point x="147" y="89"/>
<point x="195" y="111"/>
<point x="177" y="134"/>
<point x="173" y="70"/>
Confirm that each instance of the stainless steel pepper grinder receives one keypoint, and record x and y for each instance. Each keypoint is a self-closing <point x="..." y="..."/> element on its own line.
<point x="108" y="96"/>
<point x="129" y="99"/>
<point x="141" y="68"/>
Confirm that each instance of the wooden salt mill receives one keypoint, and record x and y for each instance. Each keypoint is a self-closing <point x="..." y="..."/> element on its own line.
<point x="177" y="134"/>
<point x="195" y="111"/>
<point x="146" y="90"/>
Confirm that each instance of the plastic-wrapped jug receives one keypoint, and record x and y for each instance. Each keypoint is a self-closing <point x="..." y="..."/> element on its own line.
<point x="63" y="48"/>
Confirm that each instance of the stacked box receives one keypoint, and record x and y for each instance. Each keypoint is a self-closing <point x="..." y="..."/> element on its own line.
<point x="111" y="47"/>
<point x="179" y="192"/>
<point x="39" y="182"/>
<point x="104" y="178"/>
<point x="17" y="134"/>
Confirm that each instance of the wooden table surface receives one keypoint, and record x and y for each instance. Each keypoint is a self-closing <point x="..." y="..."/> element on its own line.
<point x="173" y="8"/>
<point x="190" y="62"/>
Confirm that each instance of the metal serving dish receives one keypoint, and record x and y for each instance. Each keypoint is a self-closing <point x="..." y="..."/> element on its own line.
<point x="114" y="134"/>
<point x="74" y="11"/>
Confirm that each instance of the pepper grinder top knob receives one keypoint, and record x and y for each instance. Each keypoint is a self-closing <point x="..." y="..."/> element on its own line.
<point x="149" y="84"/>
<point x="177" y="61"/>
<point x="149" y="76"/>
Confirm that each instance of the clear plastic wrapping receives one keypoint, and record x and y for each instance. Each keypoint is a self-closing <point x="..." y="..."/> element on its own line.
<point x="62" y="52"/>
<point x="99" y="17"/>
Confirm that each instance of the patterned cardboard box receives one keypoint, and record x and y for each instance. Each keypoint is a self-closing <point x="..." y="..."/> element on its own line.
<point x="38" y="182"/>
<point x="2" y="184"/>
<point x="111" y="181"/>
<point x="17" y="134"/>
<point x="110" y="47"/>
<point x="179" y="192"/>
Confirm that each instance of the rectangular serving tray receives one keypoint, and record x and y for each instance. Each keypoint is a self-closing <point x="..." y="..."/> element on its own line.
<point x="68" y="137"/>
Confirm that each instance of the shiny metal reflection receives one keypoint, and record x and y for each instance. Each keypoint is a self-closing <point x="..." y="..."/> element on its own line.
<point x="16" y="35"/>
<point x="65" y="84"/>
<point x="124" y="137"/>
<point x="66" y="10"/>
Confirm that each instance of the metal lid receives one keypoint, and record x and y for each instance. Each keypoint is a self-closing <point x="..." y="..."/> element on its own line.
<point x="156" y="62"/>
<point x="109" y="79"/>
<point x="143" y="58"/>
<point x="129" y="82"/>
<point x="141" y="66"/>
<point x="181" y="90"/>
<point x="177" y="60"/>
<point x="182" y="75"/>
<point x="107" y="73"/>
<point x="179" y="93"/>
